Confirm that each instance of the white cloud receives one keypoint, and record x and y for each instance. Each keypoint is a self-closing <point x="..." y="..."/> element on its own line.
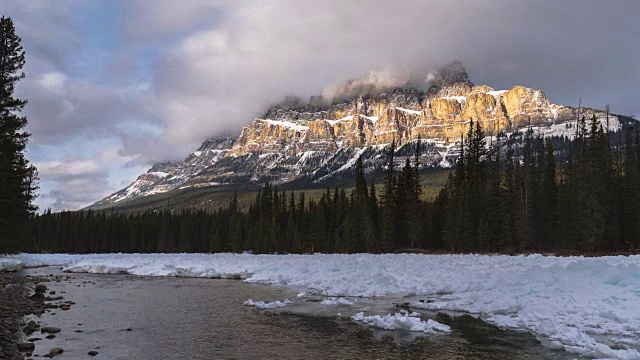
<point x="53" y="81"/>
<point x="71" y="168"/>
<point x="80" y="180"/>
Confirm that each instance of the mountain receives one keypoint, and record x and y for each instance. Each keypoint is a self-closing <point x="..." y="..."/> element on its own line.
<point x="318" y="141"/>
<point x="167" y="176"/>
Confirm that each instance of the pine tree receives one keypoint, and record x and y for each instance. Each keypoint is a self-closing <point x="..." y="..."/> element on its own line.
<point x="631" y="193"/>
<point x="388" y="231"/>
<point x="509" y="202"/>
<point x="17" y="176"/>
<point x="414" y="213"/>
<point x="490" y="226"/>
<point x="361" y="213"/>
<point x="372" y="231"/>
<point x="548" y="223"/>
<point x="403" y="191"/>
<point x="594" y="188"/>
<point x="527" y="194"/>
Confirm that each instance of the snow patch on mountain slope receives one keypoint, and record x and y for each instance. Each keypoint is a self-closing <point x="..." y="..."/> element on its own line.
<point x="460" y="99"/>
<point x="286" y="124"/>
<point x="410" y="111"/>
<point x="497" y="93"/>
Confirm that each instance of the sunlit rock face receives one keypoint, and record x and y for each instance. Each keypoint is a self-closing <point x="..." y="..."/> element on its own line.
<point x="400" y="114"/>
<point x="320" y="140"/>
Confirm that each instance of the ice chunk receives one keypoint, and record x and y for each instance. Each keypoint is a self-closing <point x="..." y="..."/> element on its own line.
<point x="10" y="265"/>
<point x="263" y="305"/>
<point x="336" y="301"/>
<point x="402" y="320"/>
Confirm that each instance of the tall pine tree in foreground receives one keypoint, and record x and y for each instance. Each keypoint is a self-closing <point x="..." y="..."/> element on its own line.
<point x="17" y="176"/>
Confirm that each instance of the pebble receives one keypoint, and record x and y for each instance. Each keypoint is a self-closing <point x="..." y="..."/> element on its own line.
<point x="92" y="353"/>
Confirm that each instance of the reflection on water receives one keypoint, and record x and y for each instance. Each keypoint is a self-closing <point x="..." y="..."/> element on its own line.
<point x="127" y="317"/>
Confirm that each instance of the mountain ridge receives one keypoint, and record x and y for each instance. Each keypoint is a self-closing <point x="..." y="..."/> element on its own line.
<point x="320" y="140"/>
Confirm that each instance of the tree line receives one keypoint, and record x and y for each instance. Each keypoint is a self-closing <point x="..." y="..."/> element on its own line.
<point x="509" y="196"/>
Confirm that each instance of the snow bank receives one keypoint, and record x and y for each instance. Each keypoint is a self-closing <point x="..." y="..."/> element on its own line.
<point x="588" y="306"/>
<point x="263" y="305"/>
<point x="402" y="320"/>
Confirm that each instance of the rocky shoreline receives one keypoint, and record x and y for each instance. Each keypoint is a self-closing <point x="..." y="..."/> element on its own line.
<point x="16" y="301"/>
<point x="22" y="295"/>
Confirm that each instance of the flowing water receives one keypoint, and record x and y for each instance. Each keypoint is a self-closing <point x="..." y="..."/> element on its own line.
<point x="131" y="317"/>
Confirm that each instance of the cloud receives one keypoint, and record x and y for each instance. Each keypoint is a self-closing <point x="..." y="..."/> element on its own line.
<point x="47" y="29"/>
<point x="61" y="108"/>
<point x="376" y="81"/>
<point x="219" y="77"/>
<point x="61" y="170"/>
<point x="76" y="181"/>
<point x="71" y="184"/>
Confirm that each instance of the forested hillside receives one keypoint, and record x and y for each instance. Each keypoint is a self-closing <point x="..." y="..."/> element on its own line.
<point x="506" y="196"/>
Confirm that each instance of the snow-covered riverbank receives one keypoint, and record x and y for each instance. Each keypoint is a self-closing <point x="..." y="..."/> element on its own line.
<point x="588" y="306"/>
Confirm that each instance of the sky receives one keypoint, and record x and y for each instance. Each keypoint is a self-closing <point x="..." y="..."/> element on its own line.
<point x="117" y="85"/>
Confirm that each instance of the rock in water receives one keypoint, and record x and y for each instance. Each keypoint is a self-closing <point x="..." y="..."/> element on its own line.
<point x="26" y="347"/>
<point x="54" y="352"/>
<point x="30" y="328"/>
<point x="50" y="330"/>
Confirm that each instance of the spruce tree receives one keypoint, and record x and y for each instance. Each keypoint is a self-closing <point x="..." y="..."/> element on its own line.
<point x="414" y="213"/>
<point x="549" y="220"/>
<point x="388" y="231"/>
<point x="17" y="176"/>
<point x="372" y="231"/>
<point x="631" y="193"/>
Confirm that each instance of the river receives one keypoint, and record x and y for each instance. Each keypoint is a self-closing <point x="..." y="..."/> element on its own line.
<point x="133" y="317"/>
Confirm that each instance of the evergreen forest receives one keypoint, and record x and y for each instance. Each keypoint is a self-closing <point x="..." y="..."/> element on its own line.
<point x="509" y="196"/>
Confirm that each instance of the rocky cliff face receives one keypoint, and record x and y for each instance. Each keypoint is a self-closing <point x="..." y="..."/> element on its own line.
<point x="317" y="141"/>
<point x="402" y="114"/>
